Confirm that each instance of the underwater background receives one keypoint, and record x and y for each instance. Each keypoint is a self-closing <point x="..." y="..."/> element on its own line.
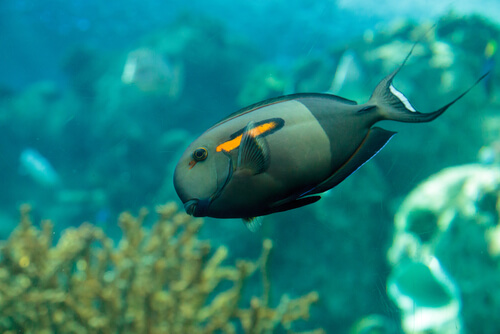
<point x="98" y="100"/>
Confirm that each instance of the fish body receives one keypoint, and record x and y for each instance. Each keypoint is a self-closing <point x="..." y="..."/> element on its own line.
<point x="281" y="153"/>
<point x="302" y="155"/>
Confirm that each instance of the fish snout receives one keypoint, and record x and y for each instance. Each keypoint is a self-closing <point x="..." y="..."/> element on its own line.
<point x="190" y="206"/>
<point x="197" y="207"/>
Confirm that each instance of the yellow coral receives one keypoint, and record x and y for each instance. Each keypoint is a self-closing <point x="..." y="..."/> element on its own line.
<point x="162" y="281"/>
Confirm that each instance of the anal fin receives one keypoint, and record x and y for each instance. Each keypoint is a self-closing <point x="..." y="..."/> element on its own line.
<point x="298" y="203"/>
<point x="375" y="140"/>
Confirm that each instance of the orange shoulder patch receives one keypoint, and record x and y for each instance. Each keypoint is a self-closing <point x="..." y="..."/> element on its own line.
<point x="265" y="128"/>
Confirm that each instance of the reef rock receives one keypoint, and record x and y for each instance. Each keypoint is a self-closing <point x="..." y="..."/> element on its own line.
<point x="446" y="247"/>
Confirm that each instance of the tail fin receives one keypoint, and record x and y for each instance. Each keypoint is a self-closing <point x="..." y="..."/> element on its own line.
<point x="393" y="105"/>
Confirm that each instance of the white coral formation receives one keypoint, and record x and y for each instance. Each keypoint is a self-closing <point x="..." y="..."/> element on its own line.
<point x="458" y="201"/>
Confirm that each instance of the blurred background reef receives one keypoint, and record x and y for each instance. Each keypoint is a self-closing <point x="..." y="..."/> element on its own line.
<point x="106" y="138"/>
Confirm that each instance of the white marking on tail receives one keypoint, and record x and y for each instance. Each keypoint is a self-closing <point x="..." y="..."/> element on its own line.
<point x="402" y="98"/>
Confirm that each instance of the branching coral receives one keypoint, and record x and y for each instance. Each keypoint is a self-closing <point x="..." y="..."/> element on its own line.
<point x="161" y="281"/>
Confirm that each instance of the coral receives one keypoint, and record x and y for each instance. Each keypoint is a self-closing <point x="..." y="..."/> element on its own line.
<point x="161" y="281"/>
<point x="448" y="230"/>
<point x="374" y="324"/>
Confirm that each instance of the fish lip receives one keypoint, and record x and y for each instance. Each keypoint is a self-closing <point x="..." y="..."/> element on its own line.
<point x="201" y="207"/>
<point x="190" y="206"/>
<point x="197" y="207"/>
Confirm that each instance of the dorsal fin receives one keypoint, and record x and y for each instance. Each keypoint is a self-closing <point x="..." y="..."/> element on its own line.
<point x="279" y="99"/>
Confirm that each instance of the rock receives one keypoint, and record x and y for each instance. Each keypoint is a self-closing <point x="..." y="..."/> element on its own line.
<point x="447" y="234"/>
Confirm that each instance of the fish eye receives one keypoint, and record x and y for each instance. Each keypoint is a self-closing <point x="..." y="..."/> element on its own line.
<point x="200" y="154"/>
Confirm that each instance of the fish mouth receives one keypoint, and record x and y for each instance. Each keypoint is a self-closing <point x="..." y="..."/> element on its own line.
<point x="190" y="206"/>
<point x="197" y="207"/>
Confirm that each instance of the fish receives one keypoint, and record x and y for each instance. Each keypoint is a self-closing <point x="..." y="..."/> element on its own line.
<point x="152" y="72"/>
<point x="282" y="153"/>
<point x="34" y="164"/>
<point x="348" y="71"/>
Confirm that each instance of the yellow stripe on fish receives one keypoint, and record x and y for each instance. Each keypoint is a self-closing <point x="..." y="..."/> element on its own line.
<point x="234" y="143"/>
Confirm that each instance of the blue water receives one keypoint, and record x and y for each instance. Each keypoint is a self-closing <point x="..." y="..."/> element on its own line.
<point x="84" y="138"/>
<point x="280" y="29"/>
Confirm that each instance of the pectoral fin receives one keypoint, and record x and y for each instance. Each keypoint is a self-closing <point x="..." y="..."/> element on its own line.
<point x="253" y="154"/>
<point x="253" y="223"/>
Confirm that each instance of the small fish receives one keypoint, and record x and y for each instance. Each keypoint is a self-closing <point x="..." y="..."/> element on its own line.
<point x="151" y="72"/>
<point x="282" y="153"/>
<point x="348" y="70"/>
<point x="38" y="168"/>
